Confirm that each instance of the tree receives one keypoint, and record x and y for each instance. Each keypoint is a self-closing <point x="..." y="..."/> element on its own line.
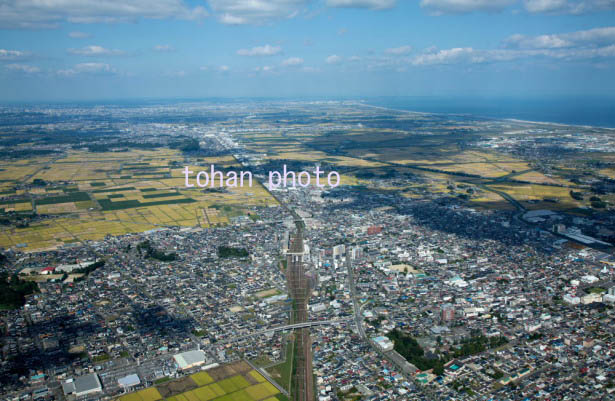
<point x="13" y="291"/>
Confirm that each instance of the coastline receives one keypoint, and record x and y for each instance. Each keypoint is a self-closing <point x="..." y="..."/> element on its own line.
<point x="489" y="118"/>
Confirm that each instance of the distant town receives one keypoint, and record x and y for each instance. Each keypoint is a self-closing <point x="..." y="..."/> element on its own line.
<point x="459" y="258"/>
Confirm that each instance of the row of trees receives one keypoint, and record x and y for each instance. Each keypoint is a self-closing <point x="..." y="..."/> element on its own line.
<point x="595" y="201"/>
<point x="151" y="252"/>
<point x="13" y="291"/>
<point x="230" y="252"/>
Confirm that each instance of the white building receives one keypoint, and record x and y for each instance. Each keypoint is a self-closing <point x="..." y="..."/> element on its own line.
<point x="591" y="298"/>
<point x="589" y="279"/>
<point x="571" y="299"/>
<point x="83" y="385"/>
<point x="129" y="381"/>
<point x="531" y="327"/>
<point x="383" y="343"/>
<point x="608" y="298"/>
<point x="190" y="359"/>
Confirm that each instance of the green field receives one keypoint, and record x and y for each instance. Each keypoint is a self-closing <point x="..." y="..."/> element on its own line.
<point x="234" y="382"/>
<point x="282" y="372"/>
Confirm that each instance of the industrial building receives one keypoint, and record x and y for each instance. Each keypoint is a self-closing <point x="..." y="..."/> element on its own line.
<point x="189" y="359"/>
<point x="82" y="385"/>
<point x="129" y="381"/>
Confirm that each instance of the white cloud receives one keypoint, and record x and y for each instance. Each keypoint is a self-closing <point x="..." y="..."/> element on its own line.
<point x="79" y="35"/>
<point x="164" y="48"/>
<point x="591" y="37"/>
<point x="448" y="56"/>
<point x="333" y="59"/>
<point x="292" y="61"/>
<point x="399" y="50"/>
<point x="542" y="41"/>
<point x="265" y="68"/>
<point x="545" y="6"/>
<point x="28" y="69"/>
<point x="568" y="6"/>
<point x="40" y="14"/>
<point x="370" y="4"/>
<point x="88" y="68"/>
<point x="310" y="69"/>
<point x="11" y="54"/>
<point x="266" y="50"/>
<point x="223" y="68"/>
<point x="95" y="51"/>
<point x="440" y="7"/>
<point x="468" y="55"/>
<point x="237" y="12"/>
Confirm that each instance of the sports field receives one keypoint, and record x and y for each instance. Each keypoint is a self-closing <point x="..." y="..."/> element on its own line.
<point x="234" y="382"/>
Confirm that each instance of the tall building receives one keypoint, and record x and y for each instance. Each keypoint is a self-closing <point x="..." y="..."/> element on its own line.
<point x="339" y="250"/>
<point x="373" y="230"/>
<point x="447" y="312"/>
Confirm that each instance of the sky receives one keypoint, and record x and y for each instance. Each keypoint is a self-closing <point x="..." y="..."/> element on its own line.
<point x="63" y="50"/>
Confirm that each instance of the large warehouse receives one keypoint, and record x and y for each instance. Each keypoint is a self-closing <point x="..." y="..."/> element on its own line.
<point x="190" y="359"/>
<point x="82" y="385"/>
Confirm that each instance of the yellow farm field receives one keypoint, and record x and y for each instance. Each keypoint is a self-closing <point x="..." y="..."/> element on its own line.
<point x="539" y="178"/>
<point x="489" y="170"/>
<point x="224" y="383"/>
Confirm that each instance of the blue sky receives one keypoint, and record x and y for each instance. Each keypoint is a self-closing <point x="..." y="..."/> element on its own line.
<point x="111" y="49"/>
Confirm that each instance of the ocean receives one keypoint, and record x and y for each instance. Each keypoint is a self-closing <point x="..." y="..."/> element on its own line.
<point x="598" y="112"/>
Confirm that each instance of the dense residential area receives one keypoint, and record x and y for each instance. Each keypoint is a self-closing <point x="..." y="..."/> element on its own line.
<point x="426" y="279"/>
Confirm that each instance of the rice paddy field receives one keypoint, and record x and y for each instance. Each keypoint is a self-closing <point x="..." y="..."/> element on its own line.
<point x="93" y="195"/>
<point x="534" y="196"/>
<point x="442" y="167"/>
<point x="235" y="382"/>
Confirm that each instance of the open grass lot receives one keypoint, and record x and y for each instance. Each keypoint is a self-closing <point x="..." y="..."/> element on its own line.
<point x="282" y="372"/>
<point x="267" y="293"/>
<point x="234" y="382"/>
